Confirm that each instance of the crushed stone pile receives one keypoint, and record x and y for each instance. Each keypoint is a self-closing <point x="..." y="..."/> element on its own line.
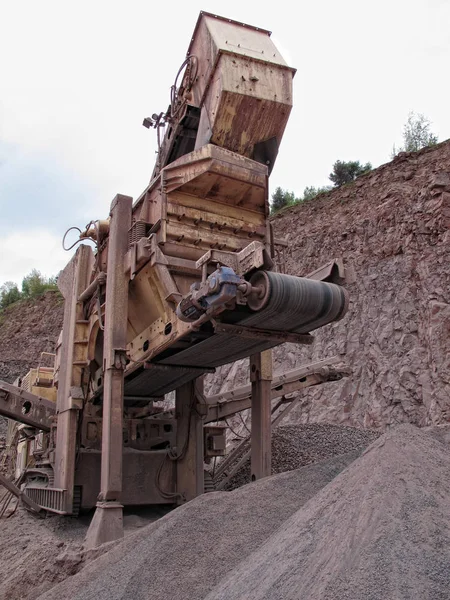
<point x="37" y="553"/>
<point x="381" y="530"/>
<point x="187" y="552"/>
<point x="294" y="446"/>
<point x="376" y="530"/>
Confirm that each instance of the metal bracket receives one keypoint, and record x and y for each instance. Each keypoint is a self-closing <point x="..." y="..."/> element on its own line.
<point x="120" y="358"/>
<point x="266" y="334"/>
<point x="253" y="256"/>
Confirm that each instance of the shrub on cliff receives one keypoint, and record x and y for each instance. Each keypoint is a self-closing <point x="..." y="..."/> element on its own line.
<point x="345" y="172"/>
<point x="34" y="284"/>
<point x="416" y="134"/>
<point x="282" y="198"/>
<point x="9" y="293"/>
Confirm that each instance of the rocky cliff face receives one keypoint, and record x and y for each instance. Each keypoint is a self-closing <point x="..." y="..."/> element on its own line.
<point x="393" y="226"/>
<point x="28" y="328"/>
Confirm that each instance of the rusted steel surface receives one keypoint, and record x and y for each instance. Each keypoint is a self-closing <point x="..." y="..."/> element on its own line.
<point x="24" y="407"/>
<point x="107" y="523"/>
<point x="224" y="405"/>
<point x="114" y="351"/>
<point x="13" y="489"/>
<point x="261" y="433"/>
<point x="72" y="359"/>
<point x="181" y="282"/>
<point x="189" y="442"/>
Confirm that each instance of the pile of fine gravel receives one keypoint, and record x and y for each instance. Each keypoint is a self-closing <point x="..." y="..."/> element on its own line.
<point x="294" y="446"/>
<point x="379" y="531"/>
<point x="186" y="553"/>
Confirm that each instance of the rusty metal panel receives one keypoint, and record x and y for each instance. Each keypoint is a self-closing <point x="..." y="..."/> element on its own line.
<point x="243" y="86"/>
<point x="20" y="405"/>
<point x="261" y="433"/>
<point x="159" y="380"/>
<point x="140" y="470"/>
<point x="214" y="35"/>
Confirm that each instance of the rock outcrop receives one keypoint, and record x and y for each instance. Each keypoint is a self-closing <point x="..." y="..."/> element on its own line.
<point x="28" y="328"/>
<point x="392" y="225"/>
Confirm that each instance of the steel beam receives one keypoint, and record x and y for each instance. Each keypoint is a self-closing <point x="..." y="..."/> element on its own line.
<point x="261" y="435"/>
<point x="222" y="406"/>
<point x="263" y="334"/>
<point x="190" y="480"/>
<point x="107" y="524"/>
<point x="19" y="405"/>
<point x="13" y="489"/>
<point x="71" y="282"/>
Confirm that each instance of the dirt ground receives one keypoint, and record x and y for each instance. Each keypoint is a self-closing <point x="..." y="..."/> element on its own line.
<point x="37" y="553"/>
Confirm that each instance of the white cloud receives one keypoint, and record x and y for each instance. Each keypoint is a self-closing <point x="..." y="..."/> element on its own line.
<point x="77" y="79"/>
<point x="31" y="249"/>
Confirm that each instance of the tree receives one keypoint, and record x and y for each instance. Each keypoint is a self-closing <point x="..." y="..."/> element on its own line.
<point x="35" y="284"/>
<point x="282" y="198"/>
<point x="416" y="134"/>
<point x="9" y="293"/>
<point x="311" y="192"/>
<point x="345" y="172"/>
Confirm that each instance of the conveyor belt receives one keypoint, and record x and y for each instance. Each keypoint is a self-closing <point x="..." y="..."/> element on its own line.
<point x="286" y="303"/>
<point x="289" y="304"/>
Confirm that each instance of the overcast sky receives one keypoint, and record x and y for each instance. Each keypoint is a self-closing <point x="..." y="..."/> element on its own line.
<point x="77" y="78"/>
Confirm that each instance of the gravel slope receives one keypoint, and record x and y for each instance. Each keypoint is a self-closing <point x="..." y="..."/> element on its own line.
<point x="295" y="446"/>
<point x="186" y="553"/>
<point x="379" y="531"/>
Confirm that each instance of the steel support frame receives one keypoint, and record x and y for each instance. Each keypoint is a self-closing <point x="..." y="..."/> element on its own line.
<point x="261" y="435"/>
<point x="71" y="282"/>
<point x="190" y="476"/>
<point x="107" y="523"/>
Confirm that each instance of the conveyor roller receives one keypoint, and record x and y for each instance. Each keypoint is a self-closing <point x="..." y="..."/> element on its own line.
<point x="296" y="304"/>
<point x="281" y="303"/>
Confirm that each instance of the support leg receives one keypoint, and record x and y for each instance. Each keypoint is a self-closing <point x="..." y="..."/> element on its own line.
<point x="107" y="523"/>
<point x="190" y="482"/>
<point x="261" y="436"/>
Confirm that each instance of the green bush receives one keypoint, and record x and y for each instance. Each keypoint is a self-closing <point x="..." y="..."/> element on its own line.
<point x="345" y="172"/>
<point x="282" y="198"/>
<point x="416" y="135"/>
<point x="9" y="293"/>
<point x="34" y="284"/>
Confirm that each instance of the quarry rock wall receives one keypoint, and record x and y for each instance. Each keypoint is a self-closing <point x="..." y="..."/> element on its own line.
<point x="392" y="225"/>
<point x="28" y="328"/>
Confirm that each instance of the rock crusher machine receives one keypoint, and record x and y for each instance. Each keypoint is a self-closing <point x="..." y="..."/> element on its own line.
<point x="180" y="282"/>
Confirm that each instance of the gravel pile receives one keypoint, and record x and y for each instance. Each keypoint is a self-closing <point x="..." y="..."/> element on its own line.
<point x="379" y="531"/>
<point x="36" y="553"/>
<point x="294" y="446"/>
<point x="376" y="530"/>
<point x="186" y="553"/>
